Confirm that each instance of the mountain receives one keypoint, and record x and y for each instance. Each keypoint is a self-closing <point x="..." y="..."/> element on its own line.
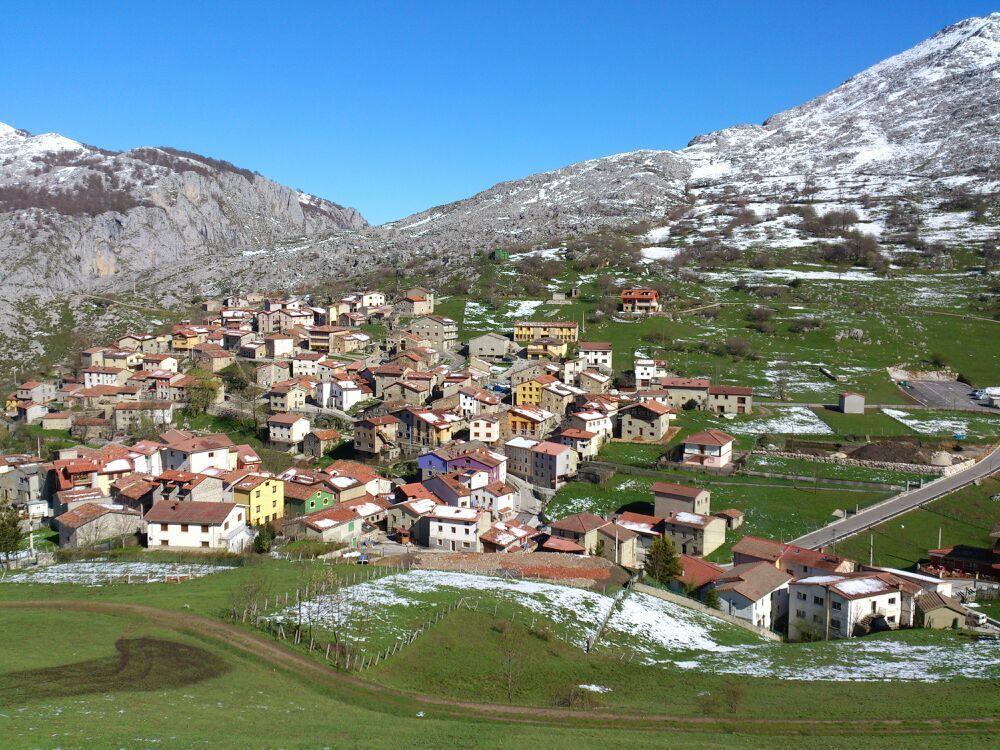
<point x="72" y="214"/>
<point x="920" y="124"/>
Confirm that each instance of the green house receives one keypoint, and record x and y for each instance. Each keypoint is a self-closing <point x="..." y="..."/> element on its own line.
<point x="499" y="254"/>
<point x="301" y="500"/>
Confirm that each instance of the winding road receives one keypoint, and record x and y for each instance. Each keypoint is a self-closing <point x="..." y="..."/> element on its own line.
<point x="899" y="504"/>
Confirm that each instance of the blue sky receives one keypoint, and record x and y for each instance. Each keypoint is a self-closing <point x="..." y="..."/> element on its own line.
<point x="397" y="107"/>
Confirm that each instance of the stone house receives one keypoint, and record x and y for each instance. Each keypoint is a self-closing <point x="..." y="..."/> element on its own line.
<point x="647" y="422"/>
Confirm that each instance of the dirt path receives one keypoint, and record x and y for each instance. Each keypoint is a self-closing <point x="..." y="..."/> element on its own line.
<point x="372" y="696"/>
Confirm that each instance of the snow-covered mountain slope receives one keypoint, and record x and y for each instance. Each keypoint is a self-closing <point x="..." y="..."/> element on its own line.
<point x="918" y="124"/>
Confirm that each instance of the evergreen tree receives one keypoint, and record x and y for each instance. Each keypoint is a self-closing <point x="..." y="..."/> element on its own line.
<point x="711" y="599"/>
<point x="662" y="563"/>
<point x="10" y="532"/>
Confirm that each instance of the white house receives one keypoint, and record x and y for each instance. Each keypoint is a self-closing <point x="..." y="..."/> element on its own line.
<point x="648" y="371"/>
<point x="185" y="452"/>
<point x="485" y="428"/>
<point x="597" y="354"/>
<point x="287" y="429"/>
<point x="823" y="607"/>
<point x="709" y="448"/>
<point x="455" y="529"/>
<point x="496" y="497"/>
<point x="172" y="524"/>
<point x="93" y="376"/>
<point x="593" y="421"/>
<point x="756" y="592"/>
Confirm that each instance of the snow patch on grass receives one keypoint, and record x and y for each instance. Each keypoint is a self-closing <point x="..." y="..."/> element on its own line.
<point x="104" y="572"/>
<point x="790" y="420"/>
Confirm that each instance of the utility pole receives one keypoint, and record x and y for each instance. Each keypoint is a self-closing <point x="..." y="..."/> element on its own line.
<point x="939" y="537"/>
<point x="871" y="549"/>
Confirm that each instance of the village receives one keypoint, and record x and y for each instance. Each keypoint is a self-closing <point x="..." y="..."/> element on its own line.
<point x="425" y="443"/>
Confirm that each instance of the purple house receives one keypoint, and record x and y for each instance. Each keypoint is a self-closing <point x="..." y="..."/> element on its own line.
<point x="462" y="456"/>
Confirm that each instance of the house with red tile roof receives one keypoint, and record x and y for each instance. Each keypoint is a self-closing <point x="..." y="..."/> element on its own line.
<point x="711" y="449"/>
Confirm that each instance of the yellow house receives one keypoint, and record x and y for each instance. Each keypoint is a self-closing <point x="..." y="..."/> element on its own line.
<point x="10" y="404"/>
<point x="558" y="329"/>
<point x="530" y="391"/>
<point x="262" y="496"/>
<point x="184" y="340"/>
<point x="547" y="349"/>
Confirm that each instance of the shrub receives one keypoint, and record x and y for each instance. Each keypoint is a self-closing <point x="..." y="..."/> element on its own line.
<point x="802" y="325"/>
<point x="576" y="697"/>
<point x="760" y="314"/>
<point x="737" y="346"/>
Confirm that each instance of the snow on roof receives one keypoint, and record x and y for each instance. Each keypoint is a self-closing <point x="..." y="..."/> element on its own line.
<point x="423" y="505"/>
<point x="324" y="523"/>
<point x="685" y="517"/>
<point x="521" y="442"/>
<point x="456" y="514"/>
<point x="341" y="482"/>
<point x="858" y="586"/>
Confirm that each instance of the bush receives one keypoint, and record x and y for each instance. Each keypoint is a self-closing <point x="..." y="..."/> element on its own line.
<point x="763" y="327"/>
<point x="760" y="314"/>
<point x="737" y="346"/>
<point x="802" y="325"/>
<point x="577" y="697"/>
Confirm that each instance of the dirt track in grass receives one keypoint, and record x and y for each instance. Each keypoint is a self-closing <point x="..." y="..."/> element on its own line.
<point x="354" y="689"/>
<point x="142" y="664"/>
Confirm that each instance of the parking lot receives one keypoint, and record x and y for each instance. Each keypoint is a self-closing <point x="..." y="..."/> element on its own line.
<point x="945" y="394"/>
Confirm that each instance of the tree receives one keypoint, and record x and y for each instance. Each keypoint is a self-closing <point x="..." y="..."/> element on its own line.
<point x="10" y="532"/>
<point x="511" y="665"/>
<point x="598" y="550"/>
<point x="662" y="563"/>
<point x="264" y="539"/>
<point x="711" y="599"/>
<point x="203" y="394"/>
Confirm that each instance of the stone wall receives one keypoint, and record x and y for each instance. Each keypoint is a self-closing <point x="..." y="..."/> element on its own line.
<point x="867" y="464"/>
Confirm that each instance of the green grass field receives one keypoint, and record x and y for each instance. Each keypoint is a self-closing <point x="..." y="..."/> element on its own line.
<point x="964" y="517"/>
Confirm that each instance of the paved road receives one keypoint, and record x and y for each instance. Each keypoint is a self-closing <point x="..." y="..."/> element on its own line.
<point x="898" y="504"/>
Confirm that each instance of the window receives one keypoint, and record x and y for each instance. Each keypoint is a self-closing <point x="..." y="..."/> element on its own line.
<point x="184" y="528"/>
<point x="800" y="595"/>
<point x="164" y="543"/>
<point x="817" y="600"/>
<point x="204" y="544"/>
<point x="466" y="544"/>
<point x="801" y="613"/>
<point x="835" y="624"/>
<point x="892" y="600"/>
<point x="815" y="618"/>
<point x="466" y="530"/>
<point x="835" y="605"/>
<point x="225" y="526"/>
<point x="891" y="618"/>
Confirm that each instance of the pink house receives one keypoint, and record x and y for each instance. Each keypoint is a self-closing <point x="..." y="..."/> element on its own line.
<point x="712" y="449"/>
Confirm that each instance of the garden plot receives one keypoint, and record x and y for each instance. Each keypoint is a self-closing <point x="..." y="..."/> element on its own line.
<point x="970" y="424"/>
<point x="790" y="420"/>
<point x="106" y="572"/>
